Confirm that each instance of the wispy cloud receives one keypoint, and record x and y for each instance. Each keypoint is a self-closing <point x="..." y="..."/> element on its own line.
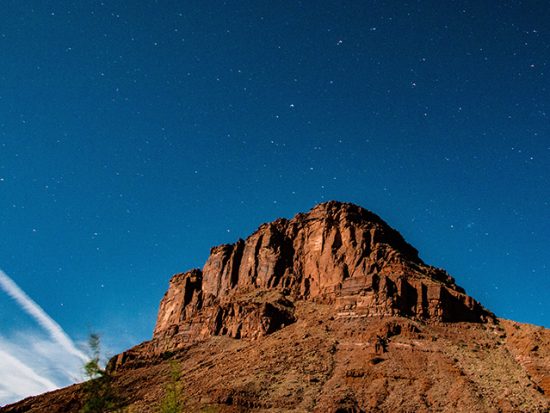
<point x="36" y="312"/>
<point x="18" y="379"/>
<point x="32" y="362"/>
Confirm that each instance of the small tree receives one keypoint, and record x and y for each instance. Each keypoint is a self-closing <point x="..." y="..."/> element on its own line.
<point x="100" y="397"/>
<point x="172" y="401"/>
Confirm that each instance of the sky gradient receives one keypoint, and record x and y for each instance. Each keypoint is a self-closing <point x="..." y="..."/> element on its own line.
<point x="136" y="135"/>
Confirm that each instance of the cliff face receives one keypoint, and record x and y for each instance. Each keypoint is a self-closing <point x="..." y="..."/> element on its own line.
<point x="329" y="312"/>
<point x="338" y="254"/>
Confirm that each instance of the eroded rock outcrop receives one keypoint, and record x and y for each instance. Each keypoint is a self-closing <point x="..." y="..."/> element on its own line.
<point x="331" y="311"/>
<point x="337" y="253"/>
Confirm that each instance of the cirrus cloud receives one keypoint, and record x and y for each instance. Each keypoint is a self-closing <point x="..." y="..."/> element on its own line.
<point x="35" y="361"/>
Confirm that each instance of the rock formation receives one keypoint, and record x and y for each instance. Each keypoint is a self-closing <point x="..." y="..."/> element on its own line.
<point x="330" y="311"/>
<point x="338" y="254"/>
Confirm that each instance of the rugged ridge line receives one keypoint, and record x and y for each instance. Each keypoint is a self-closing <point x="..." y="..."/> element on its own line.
<point x="337" y="253"/>
<point x="330" y="311"/>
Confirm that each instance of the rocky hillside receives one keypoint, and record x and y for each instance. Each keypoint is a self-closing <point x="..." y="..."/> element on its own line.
<point x="337" y="254"/>
<point x="331" y="311"/>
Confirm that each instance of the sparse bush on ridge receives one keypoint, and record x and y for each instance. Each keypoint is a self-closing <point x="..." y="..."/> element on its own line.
<point x="99" y="395"/>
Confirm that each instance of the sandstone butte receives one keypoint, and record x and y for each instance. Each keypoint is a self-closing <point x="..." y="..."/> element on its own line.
<point x="331" y="311"/>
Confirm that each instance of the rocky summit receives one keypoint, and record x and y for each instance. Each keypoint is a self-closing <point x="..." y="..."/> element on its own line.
<point x="330" y="311"/>
<point x="337" y="254"/>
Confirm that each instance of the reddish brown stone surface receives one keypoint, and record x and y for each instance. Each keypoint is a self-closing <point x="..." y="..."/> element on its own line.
<point x="331" y="311"/>
<point x="337" y="253"/>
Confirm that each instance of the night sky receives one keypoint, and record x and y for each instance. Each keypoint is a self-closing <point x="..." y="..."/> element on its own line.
<point x="136" y="135"/>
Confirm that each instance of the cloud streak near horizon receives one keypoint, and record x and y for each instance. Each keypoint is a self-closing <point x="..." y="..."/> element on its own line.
<point x="30" y="363"/>
<point x="40" y="316"/>
<point x="21" y="379"/>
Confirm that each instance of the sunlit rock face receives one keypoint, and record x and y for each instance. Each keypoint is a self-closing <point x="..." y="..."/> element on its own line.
<point x="337" y="253"/>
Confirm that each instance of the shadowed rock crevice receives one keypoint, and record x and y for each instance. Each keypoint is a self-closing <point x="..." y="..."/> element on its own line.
<point x="237" y="257"/>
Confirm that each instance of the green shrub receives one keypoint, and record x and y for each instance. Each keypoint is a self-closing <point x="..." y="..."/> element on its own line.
<point x="99" y="394"/>
<point x="172" y="402"/>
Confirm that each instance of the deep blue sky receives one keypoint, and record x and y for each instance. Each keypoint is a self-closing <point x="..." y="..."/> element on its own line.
<point x="136" y="135"/>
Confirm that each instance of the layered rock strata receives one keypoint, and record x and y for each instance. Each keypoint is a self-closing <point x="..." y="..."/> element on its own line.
<point x="337" y="253"/>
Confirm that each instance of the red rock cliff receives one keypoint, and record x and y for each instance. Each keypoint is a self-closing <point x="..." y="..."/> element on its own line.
<point x="337" y="253"/>
<point x="359" y="323"/>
